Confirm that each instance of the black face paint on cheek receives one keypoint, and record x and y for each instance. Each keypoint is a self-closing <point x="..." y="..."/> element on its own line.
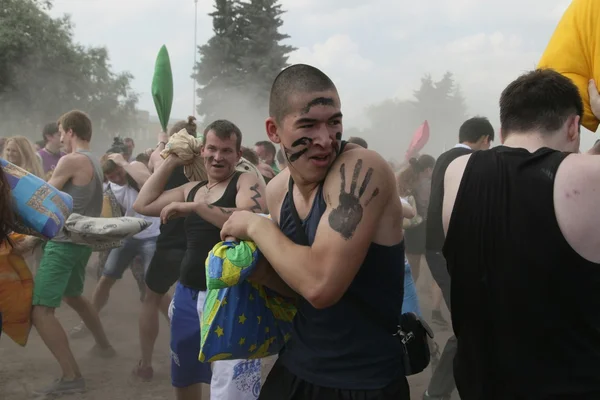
<point x="295" y="155"/>
<point x="336" y="144"/>
<point x="319" y="101"/>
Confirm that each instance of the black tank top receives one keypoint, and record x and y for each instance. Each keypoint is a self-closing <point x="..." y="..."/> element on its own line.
<point x="339" y="346"/>
<point x="172" y="234"/>
<point x="525" y="305"/>
<point x="202" y="236"/>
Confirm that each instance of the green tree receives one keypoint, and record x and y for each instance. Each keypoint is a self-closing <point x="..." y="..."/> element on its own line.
<point x="440" y="103"/>
<point x="239" y="62"/>
<point x="265" y="56"/>
<point x="44" y="73"/>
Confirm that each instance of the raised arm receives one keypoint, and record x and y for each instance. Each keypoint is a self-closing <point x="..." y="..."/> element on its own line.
<point x="357" y="191"/>
<point x="65" y="170"/>
<point x="155" y="158"/>
<point x="152" y="197"/>
<point x="136" y="170"/>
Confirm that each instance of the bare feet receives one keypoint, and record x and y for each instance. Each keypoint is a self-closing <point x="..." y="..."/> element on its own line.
<point x="145" y="374"/>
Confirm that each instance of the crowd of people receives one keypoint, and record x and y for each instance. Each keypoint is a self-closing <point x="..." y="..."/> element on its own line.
<point x="508" y="233"/>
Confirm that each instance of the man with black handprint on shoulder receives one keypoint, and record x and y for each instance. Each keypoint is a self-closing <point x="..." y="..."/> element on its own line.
<point x="345" y="260"/>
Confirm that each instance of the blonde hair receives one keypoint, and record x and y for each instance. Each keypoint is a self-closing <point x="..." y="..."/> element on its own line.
<point x="30" y="161"/>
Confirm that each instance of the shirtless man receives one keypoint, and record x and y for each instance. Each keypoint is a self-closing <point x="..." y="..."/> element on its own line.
<point x="347" y="257"/>
<point x="61" y="272"/>
<point x="525" y="308"/>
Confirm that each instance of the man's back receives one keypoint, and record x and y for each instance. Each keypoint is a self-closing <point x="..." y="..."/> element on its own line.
<point x="521" y="295"/>
<point x="85" y="186"/>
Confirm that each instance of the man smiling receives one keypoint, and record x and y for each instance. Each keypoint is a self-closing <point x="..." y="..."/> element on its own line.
<point x="338" y="244"/>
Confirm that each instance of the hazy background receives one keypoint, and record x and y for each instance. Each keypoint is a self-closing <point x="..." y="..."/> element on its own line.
<point x="373" y="50"/>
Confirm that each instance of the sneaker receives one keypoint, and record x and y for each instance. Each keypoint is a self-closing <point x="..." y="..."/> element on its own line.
<point x="79" y="331"/>
<point x="108" y="352"/>
<point x="438" y="318"/>
<point x="61" y="386"/>
<point x="426" y="396"/>
<point x="145" y="374"/>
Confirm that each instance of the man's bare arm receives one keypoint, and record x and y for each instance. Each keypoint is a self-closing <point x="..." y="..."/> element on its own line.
<point x="152" y="197"/>
<point x="266" y="276"/>
<point x="64" y="171"/>
<point x="138" y="172"/>
<point x="250" y="196"/>
<point x="357" y="192"/>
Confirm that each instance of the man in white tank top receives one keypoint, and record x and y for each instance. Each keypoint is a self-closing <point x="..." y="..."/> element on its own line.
<point x="125" y="180"/>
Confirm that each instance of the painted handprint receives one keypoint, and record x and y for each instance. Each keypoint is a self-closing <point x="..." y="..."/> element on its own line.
<point x="345" y="218"/>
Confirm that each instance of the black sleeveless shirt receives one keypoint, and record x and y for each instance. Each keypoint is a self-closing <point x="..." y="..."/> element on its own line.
<point x="202" y="236"/>
<point x="525" y="305"/>
<point x="339" y="346"/>
<point x="172" y="234"/>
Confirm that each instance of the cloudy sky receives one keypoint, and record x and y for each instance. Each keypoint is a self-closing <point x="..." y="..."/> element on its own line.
<point x="372" y="50"/>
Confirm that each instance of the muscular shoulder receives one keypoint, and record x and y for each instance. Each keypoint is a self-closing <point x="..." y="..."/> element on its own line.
<point x="276" y="190"/>
<point x="576" y="199"/>
<point x="71" y="159"/>
<point x="247" y="178"/>
<point x="362" y="171"/>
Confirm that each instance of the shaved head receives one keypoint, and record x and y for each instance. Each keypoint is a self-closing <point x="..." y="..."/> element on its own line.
<point x="298" y="78"/>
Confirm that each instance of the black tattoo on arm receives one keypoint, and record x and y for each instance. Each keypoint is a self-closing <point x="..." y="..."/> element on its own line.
<point x="345" y="218"/>
<point x="294" y="155"/>
<point x="256" y="208"/>
<point x="337" y="143"/>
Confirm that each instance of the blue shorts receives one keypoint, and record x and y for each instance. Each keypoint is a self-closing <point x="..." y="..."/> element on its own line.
<point x="228" y="379"/>
<point x="120" y="258"/>
<point x="184" y="312"/>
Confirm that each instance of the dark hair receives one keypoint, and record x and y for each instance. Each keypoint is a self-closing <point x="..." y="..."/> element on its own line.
<point x="108" y="166"/>
<point x="409" y="176"/>
<point x="118" y="146"/>
<point x="250" y="155"/>
<point x="128" y="139"/>
<point x="143" y="158"/>
<point x="296" y="78"/>
<point x="359" y="141"/>
<point x="539" y="100"/>
<point x="7" y="218"/>
<point x="474" y="129"/>
<point x="41" y="143"/>
<point x="270" y="147"/>
<point x="49" y="130"/>
<point x="280" y="157"/>
<point x="223" y="129"/>
<point x="79" y="122"/>
<point x="189" y="125"/>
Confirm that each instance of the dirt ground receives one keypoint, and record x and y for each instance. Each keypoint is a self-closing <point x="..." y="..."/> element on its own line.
<point x="22" y="369"/>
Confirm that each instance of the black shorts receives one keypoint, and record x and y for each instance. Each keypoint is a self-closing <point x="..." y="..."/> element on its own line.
<point x="163" y="270"/>
<point x="414" y="239"/>
<point x="281" y="384"/>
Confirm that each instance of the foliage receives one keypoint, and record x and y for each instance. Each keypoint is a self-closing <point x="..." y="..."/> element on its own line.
<point x="44" y="73"/>
<point x="440" y="103"/>
<point x="240" y="61"/>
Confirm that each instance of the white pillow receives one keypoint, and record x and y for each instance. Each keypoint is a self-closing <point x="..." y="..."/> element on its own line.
<point x="103" y="233"/>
